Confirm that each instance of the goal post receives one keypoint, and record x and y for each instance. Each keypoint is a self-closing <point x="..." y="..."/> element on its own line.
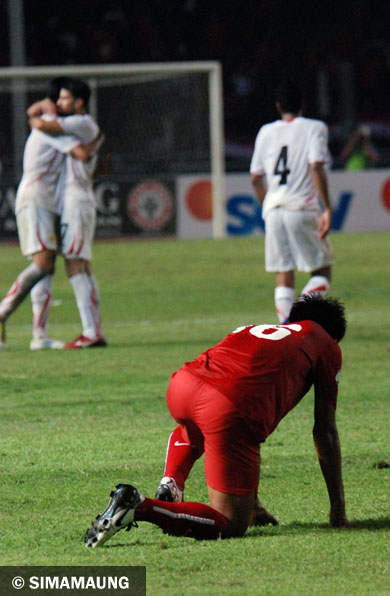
<point x="161" y="121"/>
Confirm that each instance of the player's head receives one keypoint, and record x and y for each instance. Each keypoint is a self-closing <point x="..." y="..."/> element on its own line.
<point x="55" y="86"/>
<point x="74" y="97"/>
<point x="327" y="312"/>
<point x="289" y="98"/>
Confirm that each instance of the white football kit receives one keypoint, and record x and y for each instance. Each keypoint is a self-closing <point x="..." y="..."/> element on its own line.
<point x="283" y="153"/>
<point x="36" y="205"/>
<point x="78" y="217"/>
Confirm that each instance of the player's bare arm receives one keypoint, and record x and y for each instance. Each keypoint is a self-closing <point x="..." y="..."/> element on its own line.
<point x="85" y="152"/>
<point x="320" y="179"/>
<point x="50" y="127"/>
<point x="44" y="106"/>
<point x="81" y="152"/>
<point x="259" y="187"/>
<point x="326" y="440"/>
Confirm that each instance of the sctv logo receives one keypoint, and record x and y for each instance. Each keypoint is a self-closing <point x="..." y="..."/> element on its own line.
<point x="244" y="213"/>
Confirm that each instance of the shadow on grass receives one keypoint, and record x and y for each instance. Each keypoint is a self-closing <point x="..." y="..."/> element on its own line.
<point x="360" y="524"/>
<point x="381" y="523"/>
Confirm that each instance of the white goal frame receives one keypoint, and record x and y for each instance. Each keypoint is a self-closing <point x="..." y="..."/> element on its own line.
<point x="19" y="74"/>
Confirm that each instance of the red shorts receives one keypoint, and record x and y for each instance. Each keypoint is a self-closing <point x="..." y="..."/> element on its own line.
<point x="211" y="423"/>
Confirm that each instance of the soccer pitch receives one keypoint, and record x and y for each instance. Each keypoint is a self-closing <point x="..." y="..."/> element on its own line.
<point x="74" y="424"/>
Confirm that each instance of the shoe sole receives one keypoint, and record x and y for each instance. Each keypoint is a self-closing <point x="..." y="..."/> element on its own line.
<point x="103" y="528"/>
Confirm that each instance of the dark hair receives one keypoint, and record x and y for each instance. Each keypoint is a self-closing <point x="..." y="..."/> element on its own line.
<point x="289" y="96"/>
<point x="55" y="86"/>
<point x="79" y="90"/>
<point x="327" y="312"/>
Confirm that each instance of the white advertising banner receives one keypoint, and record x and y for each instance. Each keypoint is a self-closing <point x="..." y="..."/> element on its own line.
<point x="361" y="202"/>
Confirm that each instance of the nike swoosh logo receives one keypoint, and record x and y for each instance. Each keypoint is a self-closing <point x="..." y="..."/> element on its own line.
<point x="177" y="444"/>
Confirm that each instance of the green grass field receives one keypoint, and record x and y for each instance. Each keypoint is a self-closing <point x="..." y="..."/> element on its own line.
<point x="74" y="424"/>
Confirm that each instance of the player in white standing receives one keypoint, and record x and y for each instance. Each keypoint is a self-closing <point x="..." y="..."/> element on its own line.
<point x="37" y="214"/>
<point x="288" y="172"/>
<point x="78" y="216"/>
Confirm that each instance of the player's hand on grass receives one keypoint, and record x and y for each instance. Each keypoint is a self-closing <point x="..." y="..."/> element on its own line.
<point x="262" y="517"/>
<point x="338" y="519"/>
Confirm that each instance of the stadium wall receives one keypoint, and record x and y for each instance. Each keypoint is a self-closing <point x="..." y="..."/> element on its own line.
<point x="182" y="205"/>
<point x="361" y="202"/>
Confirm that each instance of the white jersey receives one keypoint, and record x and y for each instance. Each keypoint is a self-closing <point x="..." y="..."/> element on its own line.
<point x="43" y="158"/>
<point x="77" y="176"/>
<point x="283" y="152"/>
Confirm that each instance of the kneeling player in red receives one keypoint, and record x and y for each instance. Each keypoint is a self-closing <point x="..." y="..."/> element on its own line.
<point x="226" y="402"/>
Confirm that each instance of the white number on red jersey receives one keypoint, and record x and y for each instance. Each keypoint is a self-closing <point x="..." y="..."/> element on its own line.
<point x="272" y="332"/>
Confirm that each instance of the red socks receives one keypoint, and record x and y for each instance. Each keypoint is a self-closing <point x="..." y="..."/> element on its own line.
<point x="180" y="458"/>
<point x="194" y="520"/>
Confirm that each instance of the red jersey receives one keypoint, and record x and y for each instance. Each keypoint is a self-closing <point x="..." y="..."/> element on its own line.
<point x="265" y="370"/>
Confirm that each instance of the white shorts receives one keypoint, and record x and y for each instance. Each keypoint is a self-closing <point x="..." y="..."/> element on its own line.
<point x="38" y="230"/>
<point x="78" y="222"/>
<point x="291" y="241"/>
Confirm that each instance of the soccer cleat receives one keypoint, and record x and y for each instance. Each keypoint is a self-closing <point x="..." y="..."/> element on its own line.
<point x="118" y="514"/>
<point x="85" y="342"/>
<point x="3" y="344"/>
<point x="169" y="491"/>
<point x="46" y="343"/>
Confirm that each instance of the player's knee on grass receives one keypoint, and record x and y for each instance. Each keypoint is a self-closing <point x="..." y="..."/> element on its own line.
<point x="238" y="509"/>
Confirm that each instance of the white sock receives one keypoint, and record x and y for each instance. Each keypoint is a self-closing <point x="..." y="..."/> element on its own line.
<point x="318" y="284"/>
<point x="40" y="301"/>
<point x="284" y="299"/>
<point x="96" y="300"/>
<point x="86" y="303"/>
<point x="95" y="288"/>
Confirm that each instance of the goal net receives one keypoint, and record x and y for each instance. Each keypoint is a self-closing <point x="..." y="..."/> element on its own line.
<point x="161" y="121"/>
